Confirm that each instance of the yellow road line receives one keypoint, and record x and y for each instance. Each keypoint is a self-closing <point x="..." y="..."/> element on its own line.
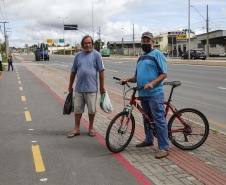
<point x="21" y="88"/>
<point x="18" y="78"/>
<point x="217" y="123"/>
<point x="27" y="116"/>
<point x="19" y="82"/>
<point x="17" y="74"/>
<point x="23" y="98"/>
<point x="39" y="166"/>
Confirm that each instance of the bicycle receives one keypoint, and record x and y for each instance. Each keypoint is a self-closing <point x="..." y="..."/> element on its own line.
<point x="188" y="128"/>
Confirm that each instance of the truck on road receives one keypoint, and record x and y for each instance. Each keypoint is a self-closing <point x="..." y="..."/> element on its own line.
<point x="41" y="53"/>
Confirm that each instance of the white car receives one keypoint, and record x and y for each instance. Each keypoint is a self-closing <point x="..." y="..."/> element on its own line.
<point x="222" y="55"/>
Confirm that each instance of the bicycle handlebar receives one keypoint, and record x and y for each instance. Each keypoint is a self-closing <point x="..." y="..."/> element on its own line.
<point x="125" y="83"/>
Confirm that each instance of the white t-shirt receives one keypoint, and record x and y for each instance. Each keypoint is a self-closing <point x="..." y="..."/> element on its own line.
<point x="0" y="57"/>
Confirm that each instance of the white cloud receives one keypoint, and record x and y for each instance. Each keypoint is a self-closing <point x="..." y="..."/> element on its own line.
<point x="33" y="21"/>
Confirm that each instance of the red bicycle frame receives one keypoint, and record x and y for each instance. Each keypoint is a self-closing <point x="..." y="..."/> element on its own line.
<point x="168" y="106"/>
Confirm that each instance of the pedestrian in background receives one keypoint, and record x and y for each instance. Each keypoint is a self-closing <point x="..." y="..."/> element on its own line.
<point x="151" y="70"/>
<point x="0" y="60"/>
<point x="87" y="64"/>
<point x="10" y="62"/>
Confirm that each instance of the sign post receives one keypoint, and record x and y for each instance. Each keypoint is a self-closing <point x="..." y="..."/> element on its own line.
<point x="180" y="36"/>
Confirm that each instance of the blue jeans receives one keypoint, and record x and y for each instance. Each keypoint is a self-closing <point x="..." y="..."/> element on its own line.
<point x="154" y="106"/>
<point x="10" y="64"/>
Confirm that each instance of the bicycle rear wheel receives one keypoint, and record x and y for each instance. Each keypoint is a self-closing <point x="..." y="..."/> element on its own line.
<point x="120" y="132"/>
<point x="192" y="136"/>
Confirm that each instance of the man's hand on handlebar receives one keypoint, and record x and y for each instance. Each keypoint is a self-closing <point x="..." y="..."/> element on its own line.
<point x="123" y="80"/>
<point x="148" y="86"/>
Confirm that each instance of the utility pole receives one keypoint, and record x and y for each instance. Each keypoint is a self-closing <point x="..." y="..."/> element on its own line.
<point x="63" y="30"/>
<point x="207" y="33"/>
<point x="6" y="44"/>
<point x="133" y="43"/>
<point x="99" y="38"/>
<point x="189" y="5"/>
<point x="92" y="19"/>
<point x="122" y="47"/>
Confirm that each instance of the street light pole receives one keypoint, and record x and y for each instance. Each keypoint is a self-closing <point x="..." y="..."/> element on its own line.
<point x="63" y="30"/>
<point x="189" y="30"/>
<point x="133" y="43"/>
<point x="92" y="20"/>
<point x="207" y="29"/>
<point x="133" y="40"/>
<point x="207" y="34"/>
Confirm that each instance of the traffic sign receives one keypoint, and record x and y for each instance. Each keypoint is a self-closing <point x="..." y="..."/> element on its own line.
<point x="55" y="40"/>
<point x="61" y="40"/>
<point x="70" y="27"/>
<point x="49" y="41"/>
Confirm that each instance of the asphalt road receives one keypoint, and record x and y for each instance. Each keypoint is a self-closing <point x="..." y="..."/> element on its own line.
<point x="36" y="150"/>
<point x="203" y="87"/>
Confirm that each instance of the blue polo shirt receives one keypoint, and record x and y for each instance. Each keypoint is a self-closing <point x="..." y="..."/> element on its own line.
<point x="149" y="67"/>
<point x="87" y="66"/>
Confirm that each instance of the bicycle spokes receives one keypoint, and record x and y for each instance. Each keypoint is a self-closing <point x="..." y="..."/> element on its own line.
<point x="120" y="132"/>
<point x="191" y="135"/>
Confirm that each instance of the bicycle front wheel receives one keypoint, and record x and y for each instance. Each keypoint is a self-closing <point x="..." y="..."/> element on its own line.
<point x="191" y="136"/>
<point x="120" y="132"/>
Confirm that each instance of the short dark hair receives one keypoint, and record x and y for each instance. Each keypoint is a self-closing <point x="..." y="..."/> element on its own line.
<point x="82" y="42"/>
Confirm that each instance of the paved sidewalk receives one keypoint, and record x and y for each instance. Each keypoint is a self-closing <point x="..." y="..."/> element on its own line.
<point x="205" y="165"/>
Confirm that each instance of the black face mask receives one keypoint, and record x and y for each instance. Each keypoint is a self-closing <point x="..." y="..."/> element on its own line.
<point x="146" y="48"/>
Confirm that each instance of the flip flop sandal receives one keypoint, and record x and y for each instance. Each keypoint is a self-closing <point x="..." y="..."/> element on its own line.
<point x="73" y="135"/>
<point x="92" y="134"/>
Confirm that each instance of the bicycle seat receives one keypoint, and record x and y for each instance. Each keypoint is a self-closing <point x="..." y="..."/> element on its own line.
<point x="173" y="83"/>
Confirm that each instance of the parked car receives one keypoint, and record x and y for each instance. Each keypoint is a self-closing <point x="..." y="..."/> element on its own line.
<point x="222" y="55"/>
<point x="194" y="54"/>
<point x="105" y="53"/>
<point x="214" y="55"/>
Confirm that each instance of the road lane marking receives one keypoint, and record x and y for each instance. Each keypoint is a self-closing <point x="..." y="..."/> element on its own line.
<point x="23" y="98"/>
<point x="18" y="75"/>
<point x="43" y="179"/>
<point x="222" y="87"/>
<point x="111" y="70"/>
<point x="217" y="123"/>
<point x="27" y="116"/>
<point x="19" y="82"/>
<point x="39" y="165"/>
<point x="21" y="88"/>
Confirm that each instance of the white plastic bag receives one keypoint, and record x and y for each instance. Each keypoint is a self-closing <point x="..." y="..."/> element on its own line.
<point x="105" y="103"/>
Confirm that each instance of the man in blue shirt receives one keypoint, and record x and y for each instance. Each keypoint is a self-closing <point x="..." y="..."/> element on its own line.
<point x="150" y="72"/>
<point x="87" y="64"/>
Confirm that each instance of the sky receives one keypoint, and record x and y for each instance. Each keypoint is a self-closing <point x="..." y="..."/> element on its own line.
<point x="35" y="21"/>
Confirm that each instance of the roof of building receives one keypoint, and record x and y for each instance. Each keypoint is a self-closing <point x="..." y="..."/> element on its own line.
<point x="124" y="42"/>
